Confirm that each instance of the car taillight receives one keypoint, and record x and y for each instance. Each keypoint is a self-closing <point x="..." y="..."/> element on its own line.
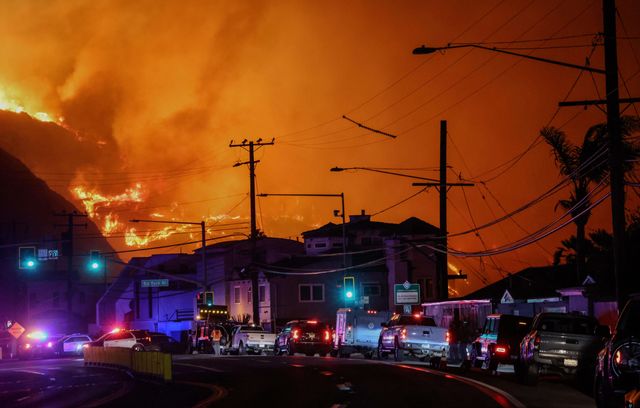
<point x="536" y="342"/>
<point x="501" y="349"/>
<point x="403" y="334"/>
<point x="27" y="346"/>
<point x="447" y="337"/>
<point x="49" y="344"/>
<point x="327" y="335"/>
<point x="296" y="334"/>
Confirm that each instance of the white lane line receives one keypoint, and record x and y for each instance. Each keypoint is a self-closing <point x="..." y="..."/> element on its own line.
<point x="23" y="398"/>
<point x="344" y="387"/>
<point x="215" y="370"/>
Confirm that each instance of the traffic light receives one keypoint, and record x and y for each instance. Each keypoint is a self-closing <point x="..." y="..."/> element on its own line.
<point x="349" y="284"/>
<point x="208" y="298"/>
<point x="27" y="258"/>
<point x="95" y="261"/>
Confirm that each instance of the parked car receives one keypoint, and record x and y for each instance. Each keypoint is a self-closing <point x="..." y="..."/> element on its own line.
<point x="499" y="341"/>
<point x="561" y="343"/>
<point x="36" y="344"/>
<point x="618" y="365"/>
<point x="357" y="331"/>
<point x="416" y="335"/>
<point x="71" y="344"/>
<point x="304" y="336"/>
<point x="251" y="339"/>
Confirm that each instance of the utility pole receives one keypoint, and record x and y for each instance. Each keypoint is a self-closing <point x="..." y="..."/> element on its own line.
<point x="251" y="147"/>
<point x="69" y="245"/>
<point x="442" y="265"/>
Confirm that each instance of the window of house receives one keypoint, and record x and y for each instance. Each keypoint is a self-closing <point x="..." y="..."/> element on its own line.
<point x="56" y="299"/>
<point x="249" y="295"/>
<point x="262" y="293"/>
<point x="321" y="245"/>
<point x="311" y="293"/>
<point x="371" y="289"/>
<point x="236" y="294"/>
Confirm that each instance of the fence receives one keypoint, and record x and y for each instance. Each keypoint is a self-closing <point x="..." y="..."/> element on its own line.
<point x="150" y="363"/>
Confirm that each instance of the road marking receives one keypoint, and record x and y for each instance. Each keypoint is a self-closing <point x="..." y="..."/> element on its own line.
<point x="23" y="398"/>
<point x="503" y="398"/>
<point x="215" y="370"/>
<point x="217" y="393"/>
<point x="297" y="365"/>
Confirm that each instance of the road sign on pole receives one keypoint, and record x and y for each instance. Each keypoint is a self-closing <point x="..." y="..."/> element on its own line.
<point x="406" y="294"/>
<point x="154" y="283"/>
<point x="16" y="330"/>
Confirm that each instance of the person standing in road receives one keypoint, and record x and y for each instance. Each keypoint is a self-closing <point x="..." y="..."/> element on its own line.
<point x="216" y="335"/>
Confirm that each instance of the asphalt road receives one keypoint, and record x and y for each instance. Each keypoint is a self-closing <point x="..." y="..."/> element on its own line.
<point x="238" y="381"/>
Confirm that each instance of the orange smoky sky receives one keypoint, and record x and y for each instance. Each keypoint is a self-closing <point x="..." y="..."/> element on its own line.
<point x="157" y="89"/>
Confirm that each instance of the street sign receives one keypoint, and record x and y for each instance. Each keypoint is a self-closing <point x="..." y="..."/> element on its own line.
<point x="406" y="294"/>
<point x="154" y="283"/>
<point x="16" y="330"/>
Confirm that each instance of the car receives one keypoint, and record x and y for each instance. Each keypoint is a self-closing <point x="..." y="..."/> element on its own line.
<point x="560" y="343"/>
<point x="303" y="336"/>
<point x="617" y="370"/>
<point x="136" y="340"/>
<point x="416" y="335"/>
<point x="36" y="344"/>
<point x="163" y="343"/>
<point x="250" y="339"/>
<point x="499" y="341"/>
<point x="357" y="331"/>
<point x="71" y="344"/>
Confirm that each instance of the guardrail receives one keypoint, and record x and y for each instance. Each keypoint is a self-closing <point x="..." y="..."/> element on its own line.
<point x="150" y="363"/>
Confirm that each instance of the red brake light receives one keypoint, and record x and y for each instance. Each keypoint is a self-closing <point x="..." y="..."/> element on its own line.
<point x="403" y="334"/>
<point x="501" y="350"/>
<point x="447" y="337"/>
<point x="327" y="335"/>
<point x="416" y="315"/>
<point x="312" y="321"/>
<point x="296" y="334"/>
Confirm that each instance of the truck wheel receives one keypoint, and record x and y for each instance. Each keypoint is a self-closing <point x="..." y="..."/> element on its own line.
<point x="276" y="350"/>
<point x="322" y="354"/>
<point x="290" y="349"/>
<point x="473" y="356"/>
<point x="242" y="350"/>
<point x="382" y="355"/>
<point x="398" y="354"/>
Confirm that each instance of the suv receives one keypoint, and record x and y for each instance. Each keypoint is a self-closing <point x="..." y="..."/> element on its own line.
<point x="563" y="343"/>
<point x="136" y="340"/>
<point x="303" y="336"/>
<point x="36" y="344"/>
<point x="618" y="363"/>
<point x="71" y="344"/>
<point x="499" y="341"/>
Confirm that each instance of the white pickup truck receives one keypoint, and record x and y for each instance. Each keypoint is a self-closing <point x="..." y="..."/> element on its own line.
<point x="416" y="335"/>
<point x="251" y="339"/>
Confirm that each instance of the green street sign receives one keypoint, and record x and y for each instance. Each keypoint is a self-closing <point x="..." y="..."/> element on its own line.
<point x="406" y="294"/>
<point x="154" y="283"/>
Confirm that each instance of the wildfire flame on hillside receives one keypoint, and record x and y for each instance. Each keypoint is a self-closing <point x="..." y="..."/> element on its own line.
<point x="12" y="105"/>
<point x="93" y="200"/>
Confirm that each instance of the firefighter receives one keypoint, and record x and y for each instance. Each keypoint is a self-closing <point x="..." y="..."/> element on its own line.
<point x="216" y="335"/>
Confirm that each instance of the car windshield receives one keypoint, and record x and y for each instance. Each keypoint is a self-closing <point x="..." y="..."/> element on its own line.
<point x="415" y="321"/>
<point x="252" y="329"/>
<point x="629" y="324"/>
<point x="566" y="324"/>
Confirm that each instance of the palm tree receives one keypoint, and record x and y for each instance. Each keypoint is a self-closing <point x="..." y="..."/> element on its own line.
<point x="585" y="164"/>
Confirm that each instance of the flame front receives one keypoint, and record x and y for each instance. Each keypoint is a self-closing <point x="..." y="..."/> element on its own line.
<point x="93" y="200"/>
<point x="12" y="105"/>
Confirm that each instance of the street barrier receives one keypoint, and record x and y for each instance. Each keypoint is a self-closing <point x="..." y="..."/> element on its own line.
<point x="149" y="363"/>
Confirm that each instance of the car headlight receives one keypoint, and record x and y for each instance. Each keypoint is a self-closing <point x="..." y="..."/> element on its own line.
<point x="626" y="358"/>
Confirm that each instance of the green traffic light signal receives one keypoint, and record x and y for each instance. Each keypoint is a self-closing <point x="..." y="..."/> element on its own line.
<point x="95" y="261"/>
<point x="349" y="287"/>
<point x="27" y="258"/>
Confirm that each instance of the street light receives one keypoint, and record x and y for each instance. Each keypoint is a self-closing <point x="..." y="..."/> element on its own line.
<point x="392" y="173"/>
<point x="204" y="242"/>
<point x="616" y="174"/>
<point x="344" y="234"/>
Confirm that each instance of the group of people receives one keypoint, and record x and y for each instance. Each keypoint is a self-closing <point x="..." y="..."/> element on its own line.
<point x="206" y="339"/>
<point x="461" y="334"/>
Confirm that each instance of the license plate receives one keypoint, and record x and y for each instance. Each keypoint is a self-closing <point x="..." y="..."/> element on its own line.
<point x="312" y="336"/>
<point x="570" y="362"/>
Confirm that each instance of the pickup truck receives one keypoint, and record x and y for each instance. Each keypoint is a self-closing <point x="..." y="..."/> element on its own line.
<point x="563" y="343"/>
<point x="357" y="331"/>
<point x="416" y="335"/>
<point x="251" y="339"/>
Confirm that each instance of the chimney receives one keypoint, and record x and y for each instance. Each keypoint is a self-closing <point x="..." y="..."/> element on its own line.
<point x="360" y="217"/>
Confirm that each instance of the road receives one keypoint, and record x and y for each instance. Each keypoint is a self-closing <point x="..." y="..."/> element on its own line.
<point x="285" y="381"/>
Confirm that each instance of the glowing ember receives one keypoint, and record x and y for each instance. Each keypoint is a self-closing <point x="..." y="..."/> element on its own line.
<point x="93" y="200"/>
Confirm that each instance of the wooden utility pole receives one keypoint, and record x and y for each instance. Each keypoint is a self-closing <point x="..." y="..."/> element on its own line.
<point x="442" y="265"/>
<point x="251" y="147"/>
<point x="68" y="244"/>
